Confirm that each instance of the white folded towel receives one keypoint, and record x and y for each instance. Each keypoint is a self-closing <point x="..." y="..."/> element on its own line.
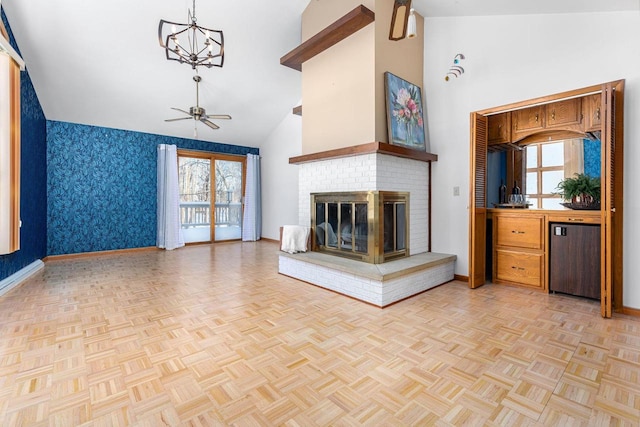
<point x="294" y="238"/>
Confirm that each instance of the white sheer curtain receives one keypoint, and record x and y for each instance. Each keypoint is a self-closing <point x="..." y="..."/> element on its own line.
<point x="169" y="229"/>
<point x="252" y="218"/>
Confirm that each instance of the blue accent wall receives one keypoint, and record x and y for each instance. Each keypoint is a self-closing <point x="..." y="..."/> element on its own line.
<point x="591" y="157"/>
<point x="102" y="186"/>
<point x="33" y="188"/>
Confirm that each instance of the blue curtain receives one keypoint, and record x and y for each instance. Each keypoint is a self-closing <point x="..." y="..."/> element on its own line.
<point x="169" y="228"/>
<point x="252" y="218"/>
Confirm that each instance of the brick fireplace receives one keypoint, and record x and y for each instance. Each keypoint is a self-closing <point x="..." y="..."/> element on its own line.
<point x="371" y="167"/>
<point x="344" y="55"/>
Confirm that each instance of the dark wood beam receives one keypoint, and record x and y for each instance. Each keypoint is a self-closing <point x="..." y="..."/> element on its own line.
<point x="353" y="21"/>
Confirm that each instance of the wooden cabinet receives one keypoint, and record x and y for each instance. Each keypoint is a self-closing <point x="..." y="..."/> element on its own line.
<point x="499" y="126"/>
<point x="592" y="113"/>
<point x="519" y="249"/>
<point x="527" y="121"/>
<point x="521" y="268"/>
<point x="602" y="110"/>
<point x="564" y="114"/>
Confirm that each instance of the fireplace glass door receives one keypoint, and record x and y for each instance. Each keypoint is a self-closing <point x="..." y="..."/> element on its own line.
<point x="395" y="226"/>
<point x="370" y="226"/>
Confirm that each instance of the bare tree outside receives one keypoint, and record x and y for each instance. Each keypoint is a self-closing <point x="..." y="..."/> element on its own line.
<point x="195" y="179"/>
<point x="228" y="181"/>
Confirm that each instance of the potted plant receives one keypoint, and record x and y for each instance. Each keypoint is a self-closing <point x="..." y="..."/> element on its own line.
<point x="580" y="192"/>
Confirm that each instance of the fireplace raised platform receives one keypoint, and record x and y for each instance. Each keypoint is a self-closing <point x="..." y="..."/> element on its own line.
<point x="377" y="284"/>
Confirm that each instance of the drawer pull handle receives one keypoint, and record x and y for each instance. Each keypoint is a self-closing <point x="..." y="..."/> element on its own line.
<point x="517" y="232"/>
<point x="576" y="219"/>
<point x="514" y="267"/>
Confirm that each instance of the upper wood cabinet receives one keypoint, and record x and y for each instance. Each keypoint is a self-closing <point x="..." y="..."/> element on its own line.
<point x="500" y="128"/>
<point x="565" y="114"/>
<point x="592" y="106"/>
<point x="527" y="121"/>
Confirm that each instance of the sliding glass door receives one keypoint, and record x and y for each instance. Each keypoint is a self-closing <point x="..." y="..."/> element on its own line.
<point x="210" y="215"/>
<point x="194" y="174"/>
<point x="228" y="199"/>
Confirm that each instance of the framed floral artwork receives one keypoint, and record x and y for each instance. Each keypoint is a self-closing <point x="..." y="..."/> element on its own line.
<point x="405" y="122"/>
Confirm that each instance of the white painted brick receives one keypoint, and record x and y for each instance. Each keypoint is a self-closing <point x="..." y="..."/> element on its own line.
<point x="375" y="292"/>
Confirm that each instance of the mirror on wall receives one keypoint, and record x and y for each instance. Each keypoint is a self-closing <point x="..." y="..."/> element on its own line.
<point x="537" y="168"/>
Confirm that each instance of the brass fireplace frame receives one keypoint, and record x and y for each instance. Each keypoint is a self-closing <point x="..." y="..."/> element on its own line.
<point x="375" y="225"/>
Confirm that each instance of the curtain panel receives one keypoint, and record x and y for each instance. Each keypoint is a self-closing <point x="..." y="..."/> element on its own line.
<point x="252" y="217"/>
<point x="169" y="228"/>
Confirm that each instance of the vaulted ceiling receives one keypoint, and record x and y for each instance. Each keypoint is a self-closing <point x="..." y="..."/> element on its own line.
<point x="99" y="63"/>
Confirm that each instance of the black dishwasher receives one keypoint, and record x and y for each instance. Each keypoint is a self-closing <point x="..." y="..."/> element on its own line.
<point x="574" y="259"/>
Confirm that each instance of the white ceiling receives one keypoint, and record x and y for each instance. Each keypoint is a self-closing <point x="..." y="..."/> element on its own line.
<point x="99" y="63"/>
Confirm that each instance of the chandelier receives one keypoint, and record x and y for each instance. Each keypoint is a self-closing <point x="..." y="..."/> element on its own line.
<point x="191" y="43"/>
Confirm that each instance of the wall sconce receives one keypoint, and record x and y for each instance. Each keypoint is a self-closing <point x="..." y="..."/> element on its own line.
<point x="411" y="25"/>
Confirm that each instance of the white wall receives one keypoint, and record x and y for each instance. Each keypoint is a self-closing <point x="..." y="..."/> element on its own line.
<point x="279" y="178"/>
<point x="514" y="58"/>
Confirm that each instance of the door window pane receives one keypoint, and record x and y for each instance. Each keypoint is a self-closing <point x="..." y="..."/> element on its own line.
<point x="553" y="154"/>
<point x="195" y="198"/>
<point x="532" y="156"/>
<point x="550" y="180"/>
<point x="532" y="183"/>
<point x="228" y="203"/>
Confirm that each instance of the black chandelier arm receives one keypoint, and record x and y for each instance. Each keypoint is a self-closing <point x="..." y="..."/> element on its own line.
<point x="160" y="25"/>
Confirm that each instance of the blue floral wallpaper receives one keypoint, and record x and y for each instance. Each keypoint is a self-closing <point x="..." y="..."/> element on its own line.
<point x="591" y="157"/>
<point x="33" y="189"/>
<point x="101" y="186"/>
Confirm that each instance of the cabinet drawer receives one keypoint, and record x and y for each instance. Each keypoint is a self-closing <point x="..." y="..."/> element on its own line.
<point x="520" y="231"/>
<point x="575" y="219"/>
<point x="519" y="267"/>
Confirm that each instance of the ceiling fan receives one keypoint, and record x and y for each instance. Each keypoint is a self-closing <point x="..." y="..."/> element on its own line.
<point x="198" y="113"/>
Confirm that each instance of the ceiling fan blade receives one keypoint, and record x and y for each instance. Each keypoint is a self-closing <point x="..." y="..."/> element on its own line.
<point x="181" y="118"/>
<point x="219" y="116"/>
<point x="182" y="111"/>
<point x="210" y="124"/>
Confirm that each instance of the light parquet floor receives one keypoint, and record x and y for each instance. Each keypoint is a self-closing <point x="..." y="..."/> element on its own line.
<point x="213" y="335"/>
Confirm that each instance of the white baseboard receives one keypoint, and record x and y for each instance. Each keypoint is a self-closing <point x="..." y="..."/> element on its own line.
<point x="20" y="276"/>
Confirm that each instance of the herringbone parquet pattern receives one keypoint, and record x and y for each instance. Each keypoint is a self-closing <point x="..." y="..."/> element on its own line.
<point x="212" y="335"/>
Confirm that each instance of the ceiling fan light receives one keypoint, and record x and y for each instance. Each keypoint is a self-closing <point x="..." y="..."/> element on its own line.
<point x="411" y="25"/>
